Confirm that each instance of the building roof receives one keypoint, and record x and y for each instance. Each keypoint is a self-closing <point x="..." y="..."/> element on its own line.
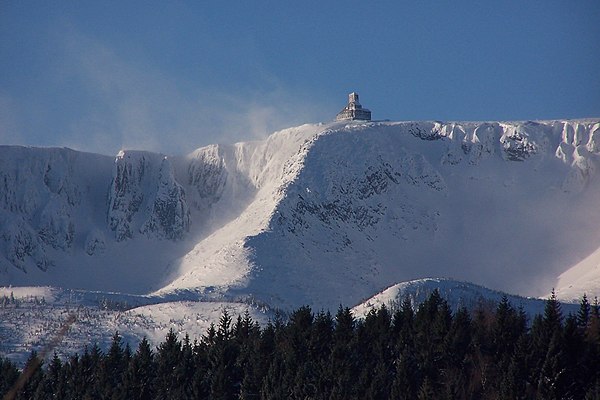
<point x="354" y="110"/>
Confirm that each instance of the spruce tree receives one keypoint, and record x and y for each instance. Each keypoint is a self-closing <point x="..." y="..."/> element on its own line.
<point x="139" y="379"/>
<point x="72" y="378"/>
<point x="552" y="315"/>
<point x="593" y="331"/>
<point x="200" y="385"/>
<point x="249" y="361"/>
<point x="275" y="386"/>
<point x="583" y="315"/>
<point x="343" y="361"/>
<point x="427" y="391"/>
<point x="320" y="347"/>
<point x="54" y="377"/>
<point x="225" y="379"/>
<point x="514" y="381"/>
<point x="8" y="375"/>
<point x="89" y="368"/>
<point x="456" y="366"/>
<point x="577" y="363"/>
<point x="545" y="330"/>
<point x="432" y="323"/>
<point x="407" y="374"/>
<point x="374" y="348"/>
<point x="293" y="344"/>
<point x="168" y="356"/>
<point x="113" y="367"/>
<point x="551" y="381"/>
<point x="32" y="378"/>
<point x="593" y="391"/>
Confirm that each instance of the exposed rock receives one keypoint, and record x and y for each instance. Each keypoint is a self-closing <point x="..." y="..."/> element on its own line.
<point x="145" y="197"/>
<point x="95" y="242"/>
<point x="169" y="215"/>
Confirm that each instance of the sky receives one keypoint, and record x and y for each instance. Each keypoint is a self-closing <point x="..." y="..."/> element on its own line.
<point x="172" y="76"/>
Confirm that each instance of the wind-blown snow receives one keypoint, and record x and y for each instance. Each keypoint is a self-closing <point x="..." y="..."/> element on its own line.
<point x="319" y="214"/>
<point x="322" y="214"/>
<point x="349" y="209"/>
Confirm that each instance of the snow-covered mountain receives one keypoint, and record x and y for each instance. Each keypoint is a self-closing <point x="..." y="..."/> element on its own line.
<point x="342" y="211"/>
<point x="318" y="214"/>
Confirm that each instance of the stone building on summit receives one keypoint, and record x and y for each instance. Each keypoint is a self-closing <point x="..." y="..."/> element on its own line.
<point x="353" y="111"/>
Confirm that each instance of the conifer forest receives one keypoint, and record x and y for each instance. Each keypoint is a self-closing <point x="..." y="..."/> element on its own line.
<point x="393" y="353"/>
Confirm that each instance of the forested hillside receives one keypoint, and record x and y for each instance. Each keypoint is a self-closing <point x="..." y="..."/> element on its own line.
<point x="430" y="353"/>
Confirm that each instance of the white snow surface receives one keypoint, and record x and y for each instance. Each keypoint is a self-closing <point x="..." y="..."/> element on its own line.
<point x="31" y="317"/>
<point x="318" y="214"/>
<point x="341" y="211"/>
<point x="584" y="277"/>
<point x="457" y="294"/>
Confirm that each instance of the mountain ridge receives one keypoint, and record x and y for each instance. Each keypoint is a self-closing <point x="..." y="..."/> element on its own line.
<point x="333" y="196"/>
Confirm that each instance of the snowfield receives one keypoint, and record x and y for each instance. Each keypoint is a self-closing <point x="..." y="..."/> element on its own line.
<point x="321" y="214"/>
<point x="30" y="319"/>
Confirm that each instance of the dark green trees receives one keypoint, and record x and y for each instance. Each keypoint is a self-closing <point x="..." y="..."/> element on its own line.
<point x="393" y="353"/>
<point x="8" y="375"/>
<point x="140" y="377"/>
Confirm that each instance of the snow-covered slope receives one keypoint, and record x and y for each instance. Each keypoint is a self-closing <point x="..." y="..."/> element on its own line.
<point x="456" y="293"/>
<point x="48" y="199"/>
<point x="581" y="278"/>
<point x="348" y="209"/>
<point x="31" y="317"/>
<point x="144" y="195"/>
<point x="67" y="216"/>
<point x="319" y="214"/>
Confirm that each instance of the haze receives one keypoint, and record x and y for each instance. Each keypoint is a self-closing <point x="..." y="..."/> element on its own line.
<point x="171" y="77"/>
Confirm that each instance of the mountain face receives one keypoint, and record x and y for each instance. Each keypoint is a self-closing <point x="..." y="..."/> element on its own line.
<point x="42" y="194"/>
<point x="145" y="197"/>
<point x="318" y="214"/>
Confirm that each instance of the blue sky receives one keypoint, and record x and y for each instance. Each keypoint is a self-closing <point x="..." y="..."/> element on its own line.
<point x="172" y="76"/>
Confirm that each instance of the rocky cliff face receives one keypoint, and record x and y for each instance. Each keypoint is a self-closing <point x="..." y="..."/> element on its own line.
<point x="145" y="198"/>
<point x="338" y="181"/>
<point x="206" y="176"/>
<point x="318" y="213"/>
<point x="169" y="212"/>
<point x="43" y="193"/>
<point x="57" y="203"/>
<point x="374" y="204"/>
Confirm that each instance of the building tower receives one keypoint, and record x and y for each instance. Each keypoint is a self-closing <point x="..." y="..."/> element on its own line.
<point x="353" y="111"/>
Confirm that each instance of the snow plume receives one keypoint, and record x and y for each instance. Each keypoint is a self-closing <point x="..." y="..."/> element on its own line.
<point x="318" y="214"/>
<point x="258" y="115"/>
<point x="124" y="104"/>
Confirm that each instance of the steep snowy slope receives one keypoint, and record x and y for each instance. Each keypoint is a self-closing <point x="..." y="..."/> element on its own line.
<point x="581" y="278"/>
<point x="247" y="182"/>
<point x="48" y="199"/>
<point x="347" y="209"/>
<point x="319" y="214"/>
<point x="144" y="195"/>
<point x="66" y="216"/>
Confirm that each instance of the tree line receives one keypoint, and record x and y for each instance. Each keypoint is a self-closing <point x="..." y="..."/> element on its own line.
<point x="399" y="353"/>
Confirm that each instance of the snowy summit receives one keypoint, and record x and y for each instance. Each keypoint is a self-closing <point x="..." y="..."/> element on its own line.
<point x="320" y="214"/>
